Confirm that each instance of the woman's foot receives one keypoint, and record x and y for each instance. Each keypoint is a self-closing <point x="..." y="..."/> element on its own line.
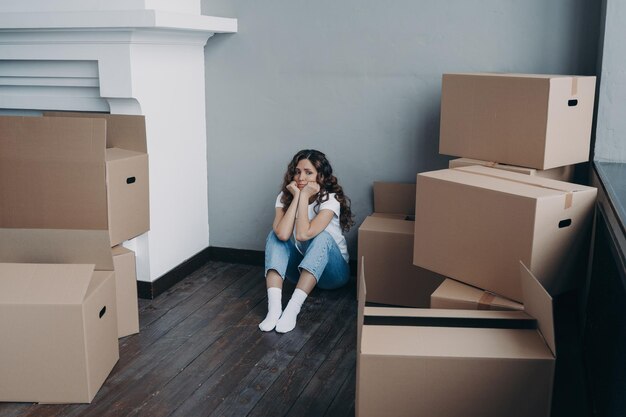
<point x="274" y="309"/>
<point x="287" y="321"/>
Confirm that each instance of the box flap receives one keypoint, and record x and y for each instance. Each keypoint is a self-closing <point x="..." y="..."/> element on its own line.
<point x="483" y="300"/>
<point x="436" y="313"/>
<point x="57" y="246"/>
<point x="387" y="225"/>
<point x="394" y="197"/>
<point x="538" y="304"/>
<point x="44" y="283"/>
<point x="361" y="301"/>
<point x="464" y="162"/>
<point x="123" y="131"/>
<point x="52" y="173"/>
<point x="533" y="181"/>
<point x="518" y="75"/>
<point x="118" y="250"/>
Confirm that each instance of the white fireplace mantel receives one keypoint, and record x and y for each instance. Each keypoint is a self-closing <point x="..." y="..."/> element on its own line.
<point x="125" y="57"/>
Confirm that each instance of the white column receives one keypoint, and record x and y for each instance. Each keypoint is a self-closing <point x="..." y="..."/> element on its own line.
<point x="149" y="62"/>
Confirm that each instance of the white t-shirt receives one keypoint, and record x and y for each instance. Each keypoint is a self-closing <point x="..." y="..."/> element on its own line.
<point x="333" y="228"/>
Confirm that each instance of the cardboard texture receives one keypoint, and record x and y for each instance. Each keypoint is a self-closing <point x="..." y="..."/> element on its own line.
<point x="59" y="332"/>
<point x="387" y="245"/>
<point x="490" y="363"/>
<point x="126" y="172"/>
<point x="474" y="224"/>
<point x="564" y="173"/>
<point x="394" y="197"/>
<point x="126" y="291"/>
<point x="57" y="173"/>
<point x="128" y="200"/>
<point x="56" y="246"/>
<point x="52" y="173"/>
<point x="455" y="295"/>
<point x="536" y="121"/>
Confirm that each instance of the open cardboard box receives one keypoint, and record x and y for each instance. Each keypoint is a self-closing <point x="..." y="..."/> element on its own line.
<point x="126" y="291"/>
<point x="475" y="223"/>
<point x="456" y="363"/>
<point x="385" y="239"/>
<point x="535" y="121"/>
<point x="127" y="176"/>
<point x="85" y="172"/>
<point x="455" y="295"/>
<point x="58" y="314"/>
<point x="564" y="173"/>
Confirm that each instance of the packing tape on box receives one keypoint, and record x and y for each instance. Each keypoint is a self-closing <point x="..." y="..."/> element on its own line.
<point x="574" y="91"/>
<point x="569" y="195"/>
<point x="485" y="301"/>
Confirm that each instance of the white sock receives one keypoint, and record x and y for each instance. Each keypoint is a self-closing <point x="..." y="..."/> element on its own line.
<point x="287" y="321"/>
<point x="274" y="308"/>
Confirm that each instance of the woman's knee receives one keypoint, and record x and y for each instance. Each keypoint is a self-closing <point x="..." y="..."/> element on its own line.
<point x="322" y="238"/>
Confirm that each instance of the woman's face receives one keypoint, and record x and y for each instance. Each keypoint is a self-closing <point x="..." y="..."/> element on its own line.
<point x="305" y="173"/>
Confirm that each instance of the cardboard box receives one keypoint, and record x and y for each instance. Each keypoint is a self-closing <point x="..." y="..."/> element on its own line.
<point x="47" y="314"/>
<point x="387" y="245"/>
<point x="474" y="224"/>
<point x="536" y="121"/>
<point x="57" y="173"/>
<point x="455" y="295"/>
<point x="456" y="363"/>
<point x="126" y="291"/>
<point x="127" y="180"/>
<point x="394" y="198"/>
<point x="386" y="240"/>
<point x="564" y="173"/>
<point x="59" y="332"/>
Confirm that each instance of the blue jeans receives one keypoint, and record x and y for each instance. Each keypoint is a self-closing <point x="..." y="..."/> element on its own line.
<point x="322" y="258"/>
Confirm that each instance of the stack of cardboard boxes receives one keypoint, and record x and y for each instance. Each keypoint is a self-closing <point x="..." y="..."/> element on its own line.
<point x="72" y="188"/>
<point x="494" y="238"/>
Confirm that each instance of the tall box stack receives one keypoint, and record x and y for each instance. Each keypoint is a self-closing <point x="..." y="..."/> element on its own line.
<point x="69" y="186"/>
<point x="499" y="203"/>
<point x="79" y="171"/>
<point x="510" y="230"/>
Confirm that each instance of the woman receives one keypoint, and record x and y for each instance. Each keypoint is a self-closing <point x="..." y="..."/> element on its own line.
<point x="306" y="244"/>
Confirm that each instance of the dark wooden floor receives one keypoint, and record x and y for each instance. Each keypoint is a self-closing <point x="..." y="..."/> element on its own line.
<point x="200" y="353"/>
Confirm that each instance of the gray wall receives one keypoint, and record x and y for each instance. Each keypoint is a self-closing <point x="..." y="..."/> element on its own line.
<point x="359" y="80"/>
<point x="611" y="123"/>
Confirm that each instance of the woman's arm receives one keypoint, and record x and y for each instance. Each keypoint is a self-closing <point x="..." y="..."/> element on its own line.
<point x="284" y="220"/>
<point x="305" y="229"/>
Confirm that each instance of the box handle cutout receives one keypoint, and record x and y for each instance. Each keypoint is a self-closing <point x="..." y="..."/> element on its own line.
<point x="104" y="310"/>
<point x="130" y="180"/>
<point x="565" y="223"/>
<point x="572" y="103"/>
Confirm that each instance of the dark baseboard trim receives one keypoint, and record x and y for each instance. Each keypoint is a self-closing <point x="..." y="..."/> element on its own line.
<point x="150" y="290"/>
<point x="239" y="256"/>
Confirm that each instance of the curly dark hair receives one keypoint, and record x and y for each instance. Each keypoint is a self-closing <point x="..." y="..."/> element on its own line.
<point x="327" y="181"/>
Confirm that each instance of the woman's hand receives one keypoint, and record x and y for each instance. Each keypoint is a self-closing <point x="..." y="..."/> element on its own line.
<point x="311" y="189"/>
<point x="293" y="188"/>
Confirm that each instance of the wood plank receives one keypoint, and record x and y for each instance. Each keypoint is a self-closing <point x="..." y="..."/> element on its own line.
<point x="266" y="353"/>
<point x="343" y="404"/>
<point x="293" y="381"/>
<point x="183" y="344"/>
<point x="144" y="351"/>
<point x="329" y="378"/>
<point x="178" y="389"/>
<point x="287" y="370"/>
